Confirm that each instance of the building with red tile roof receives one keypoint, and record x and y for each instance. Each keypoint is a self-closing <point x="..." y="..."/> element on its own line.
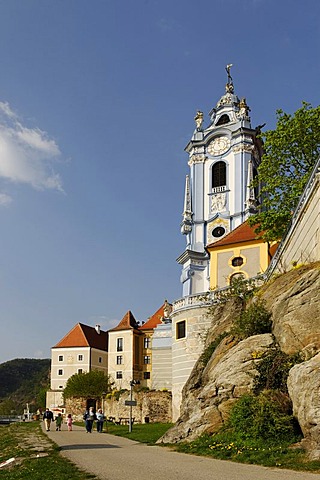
<point x="242" y="254"/>
<point x="82" y="349"/>
<point x="130" y="349"/>
<point x="84" y="336"/>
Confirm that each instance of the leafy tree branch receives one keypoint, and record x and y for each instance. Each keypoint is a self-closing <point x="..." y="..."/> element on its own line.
<point x="291" y="151"/>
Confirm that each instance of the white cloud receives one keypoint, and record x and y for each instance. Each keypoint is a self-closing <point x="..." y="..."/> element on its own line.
<point x="27" y="154"/>
<point x="5" y="200"/>
<point x="102" y="320"/>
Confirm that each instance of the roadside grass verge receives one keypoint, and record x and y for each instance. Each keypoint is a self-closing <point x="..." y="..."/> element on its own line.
<point x="36" y="456"/>
<point x="225" y="446"/>
<point x="141" y="432"/>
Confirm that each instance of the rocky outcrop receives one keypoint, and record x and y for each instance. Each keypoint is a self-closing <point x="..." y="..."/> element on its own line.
<point x="207" y="401"/>
<point x="212" y="389"/>
<point x="294" y="301"/>
<point x="304" y="391"/>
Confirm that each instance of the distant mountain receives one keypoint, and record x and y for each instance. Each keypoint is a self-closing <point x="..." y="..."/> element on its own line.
<point x="22" y="381"/>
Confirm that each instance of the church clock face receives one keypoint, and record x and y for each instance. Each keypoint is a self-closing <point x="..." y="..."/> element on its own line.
<point x="218" y="146"/>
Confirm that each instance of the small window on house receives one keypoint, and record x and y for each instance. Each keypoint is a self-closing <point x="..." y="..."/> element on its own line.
<point x="146" y="359"/>
<point x="119" y="344"/>
<point x="60" y="386"/>
<point x="146" y="375"/>
<point x="80" y="370"/>
<point x="119" y="359"/>
<point x="100" y="359"/>
<point x="219" y="174"/>
<point x="181" y="329"/>
<point x="60" y="358"/>
<point x="80" y="358"/>
<point x="118" y="375"/>
<point x="146" y="342"/>
<point x="237" y="261"/>
<point x="60" y="371"/>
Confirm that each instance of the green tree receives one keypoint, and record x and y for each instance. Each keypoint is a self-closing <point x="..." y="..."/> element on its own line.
<point x="7" y="407"/>
<point x="90" y="384"/>
<point x="291" y="151"/>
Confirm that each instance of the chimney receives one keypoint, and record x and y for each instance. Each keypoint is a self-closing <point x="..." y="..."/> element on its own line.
<point x="97" y="327"/>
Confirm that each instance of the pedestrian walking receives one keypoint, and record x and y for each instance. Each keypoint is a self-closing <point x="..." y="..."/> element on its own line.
<point x="58" y="422"/>
<point x="69" y="422"/>
<point x="89" y="418"/>
<point x="48" y="418"/>
<point x="100" y="420"/>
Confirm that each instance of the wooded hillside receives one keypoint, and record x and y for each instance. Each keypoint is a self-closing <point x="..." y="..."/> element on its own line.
<point x="23" y="380"/>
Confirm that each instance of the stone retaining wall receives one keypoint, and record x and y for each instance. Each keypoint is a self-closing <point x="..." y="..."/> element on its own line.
<point x="154" y="406"/>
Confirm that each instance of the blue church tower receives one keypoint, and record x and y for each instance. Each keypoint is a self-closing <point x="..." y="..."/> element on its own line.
<point x="223" y="160"/>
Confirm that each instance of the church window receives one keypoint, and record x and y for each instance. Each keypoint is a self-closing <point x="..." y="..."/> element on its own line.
<point x="60" y="358"/>
<point x="119" y="344"/>
<point x="119" y="359"/>
<point x="60" y="371"/>
<point x="100" y="359"/>
<point x="223" y="119"/>
<point x="237" y="261"/>
<point x="119" y="374"/>
<point x="146" y="375"/>
<point x="146" y="342"/>
<point x="219" y="176"/>
<point x="147" y="359"/>
<point x="181" y="329"/>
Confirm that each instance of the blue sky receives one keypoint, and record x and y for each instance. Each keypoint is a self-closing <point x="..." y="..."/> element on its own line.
<point x="97" y="100"/>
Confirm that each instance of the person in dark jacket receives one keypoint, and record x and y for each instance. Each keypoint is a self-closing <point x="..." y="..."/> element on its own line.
<point x="89" y="418"/>
<point x="48" y="418"/>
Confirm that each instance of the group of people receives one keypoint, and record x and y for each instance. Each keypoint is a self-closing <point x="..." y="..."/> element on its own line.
<point x="89" y="417"/>
<point x="48" y="418"/>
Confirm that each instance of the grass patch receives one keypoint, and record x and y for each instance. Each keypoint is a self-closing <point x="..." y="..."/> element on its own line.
<point x="24" y="441"/>
<point x="226" y="446"/>
<point x="144" y="433"/>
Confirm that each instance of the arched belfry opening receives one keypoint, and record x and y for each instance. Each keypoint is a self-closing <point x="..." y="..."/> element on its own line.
<point x="219" y="174"/>
<point x="223" y="120"/>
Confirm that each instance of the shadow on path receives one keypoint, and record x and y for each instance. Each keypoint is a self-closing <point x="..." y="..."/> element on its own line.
<point x="86" y="446"/>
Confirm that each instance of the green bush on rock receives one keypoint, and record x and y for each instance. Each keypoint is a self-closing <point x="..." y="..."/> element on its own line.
<point x="266" y="416"/>
<point x="255" y="320"/>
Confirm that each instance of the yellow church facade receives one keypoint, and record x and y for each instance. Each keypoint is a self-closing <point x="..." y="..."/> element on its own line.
<point x="239" y="255"/>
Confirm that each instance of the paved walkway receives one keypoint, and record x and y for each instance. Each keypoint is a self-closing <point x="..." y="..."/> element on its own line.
<point x="116" y="458"/>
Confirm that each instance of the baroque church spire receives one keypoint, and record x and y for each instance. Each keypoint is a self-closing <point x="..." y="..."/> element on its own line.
<point x="186" y="224"/>
<point x="251" y="202"/>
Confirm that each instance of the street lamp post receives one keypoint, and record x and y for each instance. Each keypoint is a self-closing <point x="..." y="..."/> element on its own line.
<point x="131" y="402"/>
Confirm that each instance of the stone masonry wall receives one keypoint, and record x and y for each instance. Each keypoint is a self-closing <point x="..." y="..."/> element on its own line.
<point x="154" y="406"/>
